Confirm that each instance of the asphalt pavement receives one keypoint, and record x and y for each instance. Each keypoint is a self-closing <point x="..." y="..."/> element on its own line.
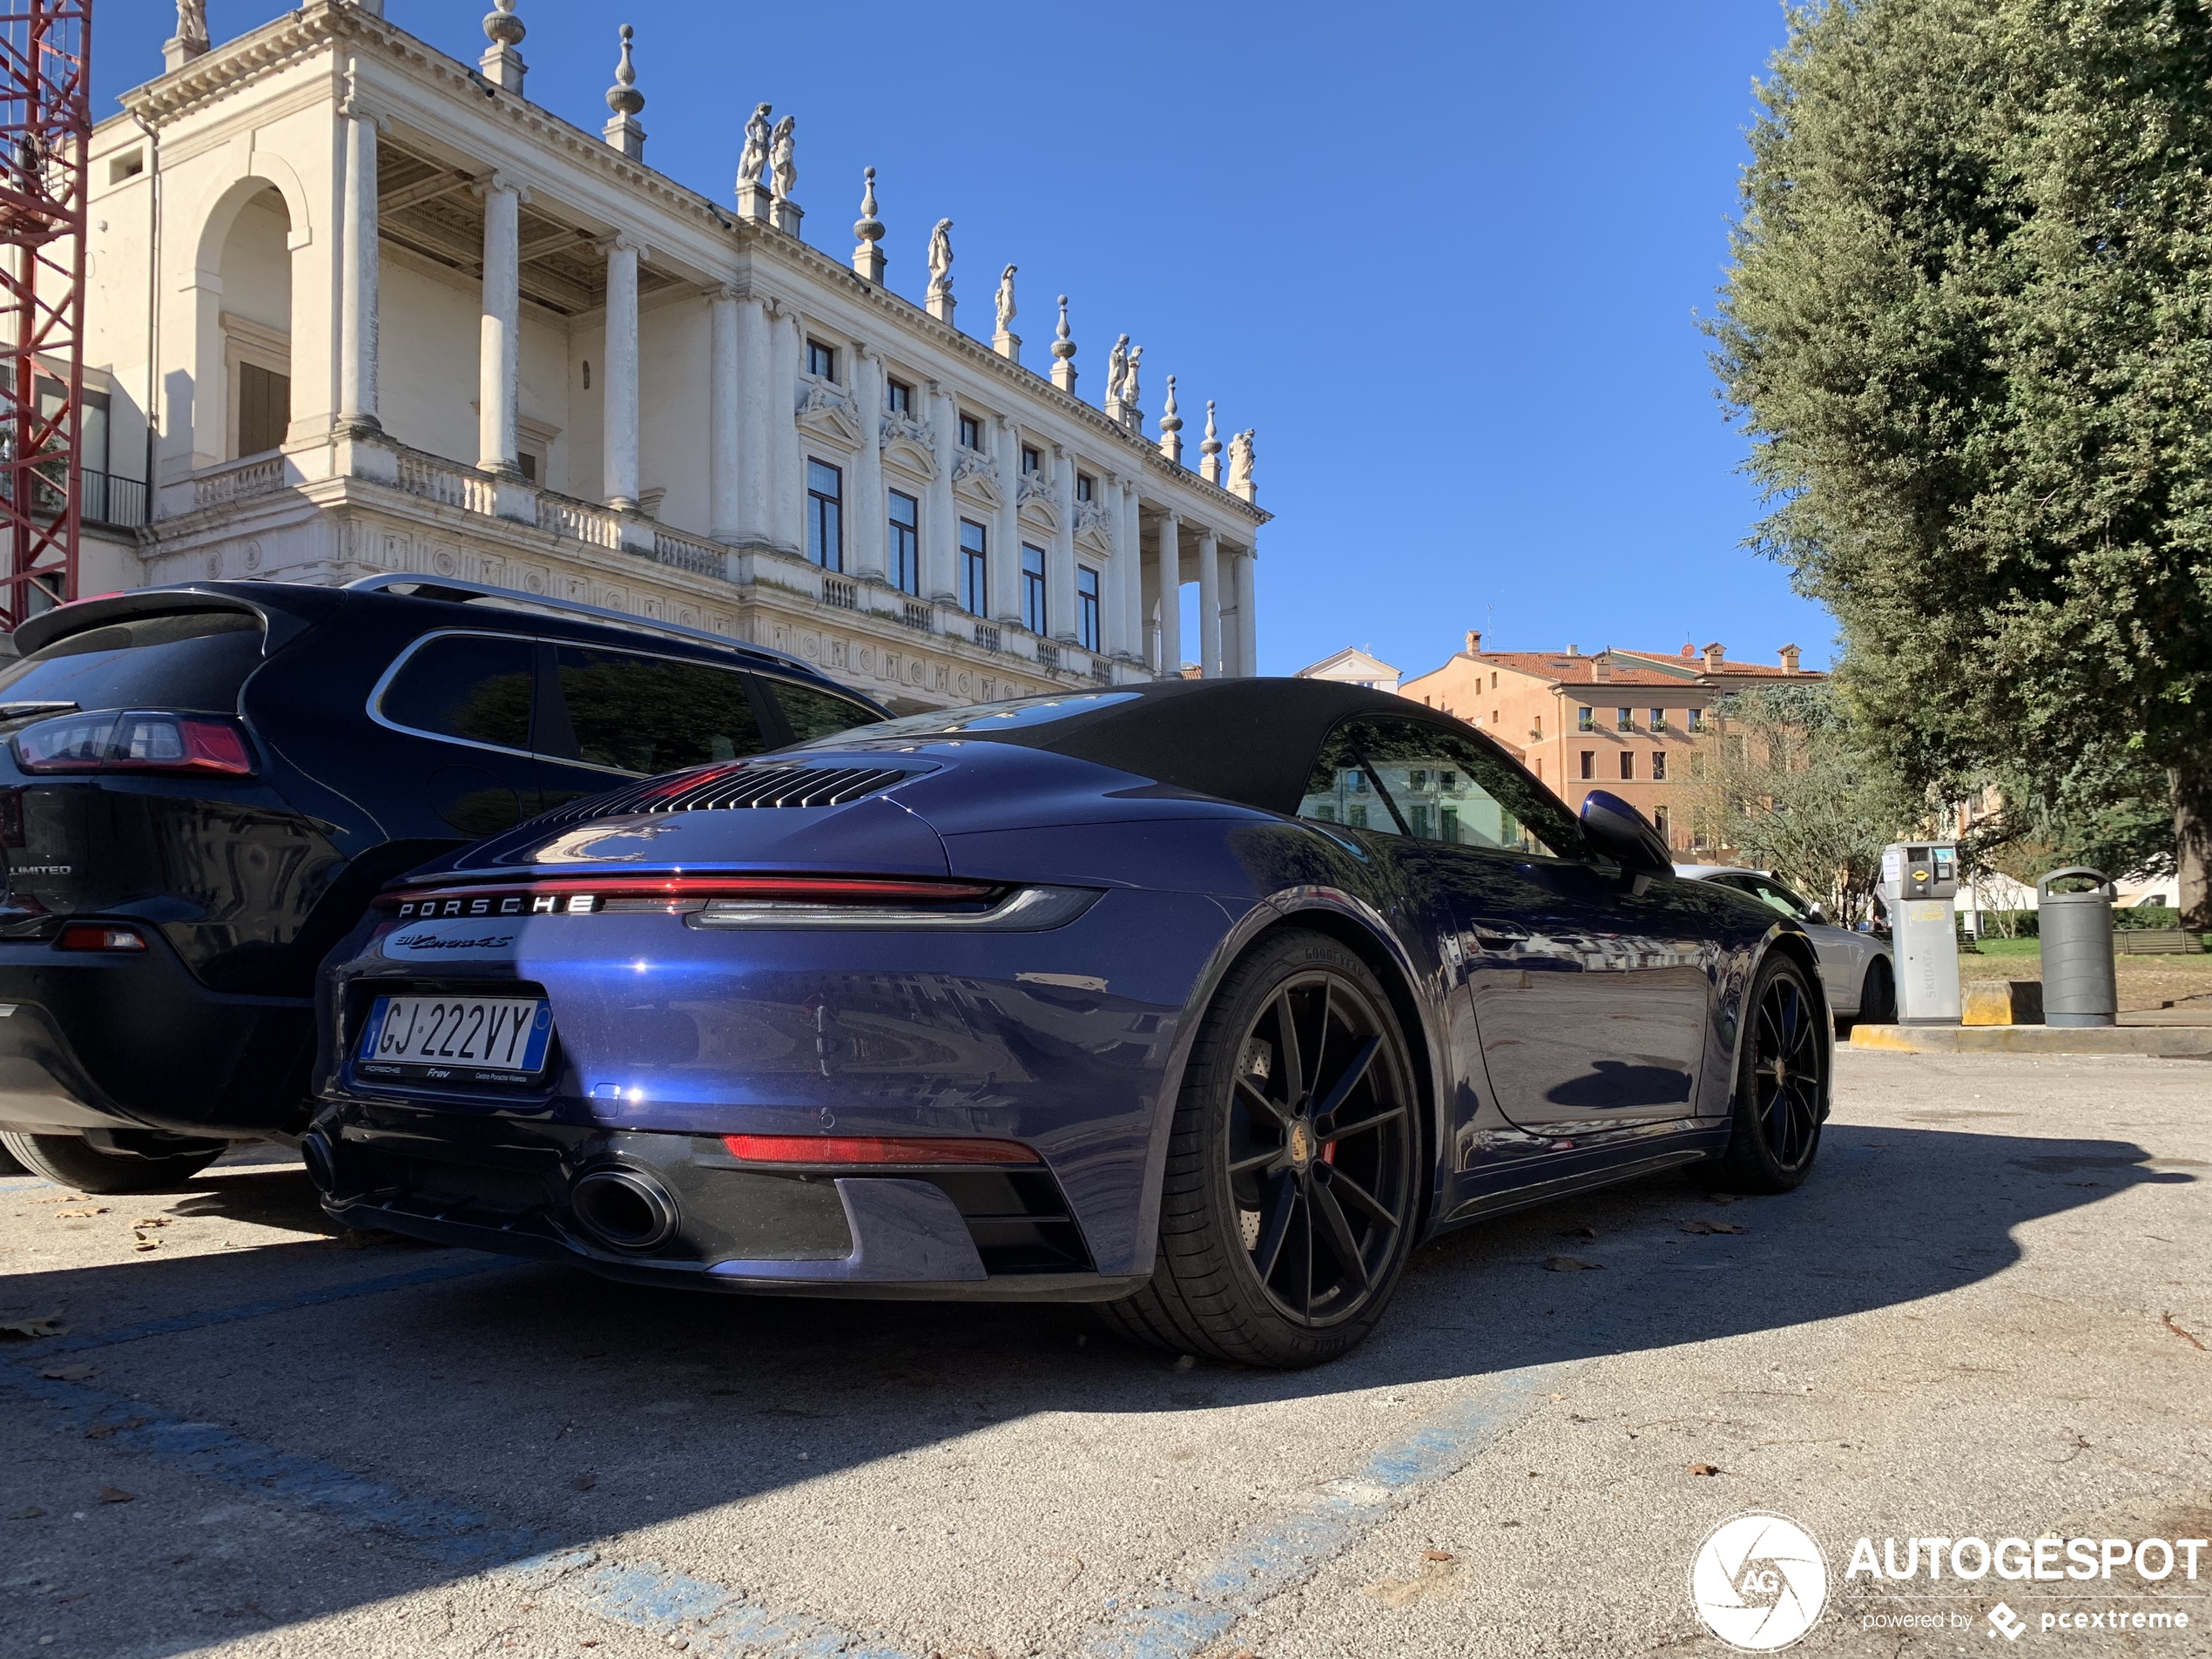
<point x="1987" y="1316"/>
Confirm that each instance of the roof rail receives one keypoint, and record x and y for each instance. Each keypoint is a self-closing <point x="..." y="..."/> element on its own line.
<point x="462" y="592"/>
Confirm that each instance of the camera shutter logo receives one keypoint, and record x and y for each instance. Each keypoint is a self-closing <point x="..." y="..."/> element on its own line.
<point x="1759" y="1582"/>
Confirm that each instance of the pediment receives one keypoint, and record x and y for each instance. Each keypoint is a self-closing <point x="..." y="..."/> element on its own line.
<point x="1036" y="502"/>
<point x="1095" y="526"/>
<point x="977" y="476"/>
<point x="826" y="410"/>
<point x="902" y="452"/>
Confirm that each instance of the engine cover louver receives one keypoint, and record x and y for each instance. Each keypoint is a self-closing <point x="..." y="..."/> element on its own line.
<point x="723" y="787"/>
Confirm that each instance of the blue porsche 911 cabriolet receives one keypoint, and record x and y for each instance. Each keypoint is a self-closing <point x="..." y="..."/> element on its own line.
<point x="1205" y="1000"/>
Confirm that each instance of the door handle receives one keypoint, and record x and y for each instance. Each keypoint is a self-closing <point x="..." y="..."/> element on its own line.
<point x="1498" y="935"/>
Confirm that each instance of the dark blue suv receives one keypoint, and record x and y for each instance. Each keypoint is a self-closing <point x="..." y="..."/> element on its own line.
<point x="202" y="787"/>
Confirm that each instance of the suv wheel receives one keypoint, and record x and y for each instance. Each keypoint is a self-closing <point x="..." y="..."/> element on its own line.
<point x="73" y="1162"/>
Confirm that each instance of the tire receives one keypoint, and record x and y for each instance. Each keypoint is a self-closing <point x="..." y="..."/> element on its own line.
<point x="1781" y="1087"/>
<point x="1294" y="1178"/>
<point x="72" y="1161"/>
<point x="1878" y="997"/>
<point x="8" y="1165"/>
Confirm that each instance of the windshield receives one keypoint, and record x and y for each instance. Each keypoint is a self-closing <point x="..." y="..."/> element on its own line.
<point x="1773" y="894"/>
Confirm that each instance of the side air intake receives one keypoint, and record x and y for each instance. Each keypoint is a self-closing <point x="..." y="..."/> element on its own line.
<point x="721" y="786"/>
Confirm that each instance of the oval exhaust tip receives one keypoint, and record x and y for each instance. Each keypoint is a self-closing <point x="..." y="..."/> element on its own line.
<point x="624" y="1207"/>
<point x="322" y="1168"/>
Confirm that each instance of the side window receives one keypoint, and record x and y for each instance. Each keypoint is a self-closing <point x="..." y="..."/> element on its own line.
<point x="1447" y="788"/>
<point x="1342" y="788"/>
<point x="814" y="713"/>
<point x="653" y="714"/>
<point x="475" y="687"/>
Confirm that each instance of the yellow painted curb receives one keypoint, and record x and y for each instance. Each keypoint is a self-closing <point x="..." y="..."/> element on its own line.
<point x="2172" y="1041"/>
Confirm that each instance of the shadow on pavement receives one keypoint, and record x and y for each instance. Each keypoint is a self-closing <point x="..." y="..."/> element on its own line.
<point x="502" y="1392"/>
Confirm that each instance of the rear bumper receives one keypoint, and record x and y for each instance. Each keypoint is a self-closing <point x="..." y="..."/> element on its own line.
<point x="104" y="1041"/>
<point x="506" y="1183"/>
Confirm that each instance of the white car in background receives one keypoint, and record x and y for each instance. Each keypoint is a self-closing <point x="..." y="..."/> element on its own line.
<point x="1855" y="969"/>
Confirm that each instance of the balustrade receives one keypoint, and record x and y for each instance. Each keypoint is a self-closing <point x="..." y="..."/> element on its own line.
<point x="238" y="479"/>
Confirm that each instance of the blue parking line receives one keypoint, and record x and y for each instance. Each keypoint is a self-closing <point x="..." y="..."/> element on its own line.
<point x="449" y="1535"/>
<point x="642" y="1596"/>
<point x="717" y="1621"/>
<point x="322" y="1298"/>
<point x="1283" y="1553"/>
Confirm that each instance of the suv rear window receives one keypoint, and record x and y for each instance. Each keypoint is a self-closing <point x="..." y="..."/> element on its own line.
<point x="188" y="660"/>
<point x="653" y="714"/>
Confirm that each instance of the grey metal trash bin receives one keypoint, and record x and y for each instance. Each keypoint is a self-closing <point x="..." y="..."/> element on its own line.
<point x="2079" y="987"/>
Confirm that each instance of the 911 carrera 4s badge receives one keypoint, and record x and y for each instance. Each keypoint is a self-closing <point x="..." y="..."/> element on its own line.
<point x="460" y="939"/>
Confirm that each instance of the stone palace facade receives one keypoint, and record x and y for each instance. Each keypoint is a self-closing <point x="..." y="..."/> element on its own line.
<point x="390" y="315"/>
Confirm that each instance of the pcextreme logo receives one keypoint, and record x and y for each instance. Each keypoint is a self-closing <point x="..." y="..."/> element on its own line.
<point x="1759" y="1582"/>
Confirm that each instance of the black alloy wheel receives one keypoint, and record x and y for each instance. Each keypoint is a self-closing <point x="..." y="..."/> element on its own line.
<point x="1293" y="1189"/>
<point x="1781" y="1085"/>
<point x="1787" y="1038"/>
<point x="1318" y="1149"/>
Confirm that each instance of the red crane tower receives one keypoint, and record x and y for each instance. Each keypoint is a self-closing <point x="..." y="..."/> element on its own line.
<point x="46" y="128"/>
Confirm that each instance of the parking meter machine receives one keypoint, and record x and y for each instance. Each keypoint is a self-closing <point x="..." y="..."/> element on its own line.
<point x="1919" y="880"/>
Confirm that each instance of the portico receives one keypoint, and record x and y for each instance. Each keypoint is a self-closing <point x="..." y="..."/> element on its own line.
<point x="406" y="321"/>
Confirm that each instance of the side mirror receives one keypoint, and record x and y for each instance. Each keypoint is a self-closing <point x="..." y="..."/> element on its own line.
<point x="1618" y="832"/>
<point x="1814" y="913"/>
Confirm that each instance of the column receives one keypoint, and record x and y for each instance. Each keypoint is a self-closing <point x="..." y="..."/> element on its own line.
<point x="357" y="299"/>
<point x="1247" y="567"/>
<point x="618" y="419"/>
<point x="1171" y="564"/>
<point x="940" y="515"/>
<point x="1006" y="536"/>
<point x="756" y="427"/>
<point x="725" y="467"/>
<point x="499" y="363"/>
<point x="1136" y="622"/>
<point x="1060" y="565"/>
<point x="1113" y="607"/>
<point x="1208" y="605"/>
<point x="788" y="508"/>
<point x="867" y="509"/>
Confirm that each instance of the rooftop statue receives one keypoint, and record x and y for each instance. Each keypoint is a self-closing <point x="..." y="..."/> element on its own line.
<point x="941" y="258"/>
<point x="783" y="169"/>
<point x="1117" y="374"/>
<point x="757" y="138"/>
<point x="1240" y="464"/>
<point x="1006" y="298"/>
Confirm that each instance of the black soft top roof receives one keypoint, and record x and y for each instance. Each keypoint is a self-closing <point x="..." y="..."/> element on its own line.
<point x="1247" y="740"/>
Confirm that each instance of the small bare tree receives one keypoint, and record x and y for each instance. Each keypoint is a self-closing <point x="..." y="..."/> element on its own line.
<point x="1781" y="787"/>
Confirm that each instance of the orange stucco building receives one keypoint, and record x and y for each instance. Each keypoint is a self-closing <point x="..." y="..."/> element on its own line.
<point x="1637" y="723"/>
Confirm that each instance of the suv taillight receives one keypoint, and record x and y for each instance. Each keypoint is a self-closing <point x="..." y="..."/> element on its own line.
<point x="152" y="740"/>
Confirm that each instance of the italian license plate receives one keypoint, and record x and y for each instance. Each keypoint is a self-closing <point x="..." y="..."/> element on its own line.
<point x="457" y="1039"/>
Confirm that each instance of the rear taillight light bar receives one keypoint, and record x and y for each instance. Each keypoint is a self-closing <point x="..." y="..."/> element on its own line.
<point x="909" y="1151"/>
<point x="159" y="741"/>
<point x="584" y="895"/>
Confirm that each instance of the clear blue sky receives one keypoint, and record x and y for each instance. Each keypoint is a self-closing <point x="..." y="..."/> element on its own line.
<point x="1443" y="257"/>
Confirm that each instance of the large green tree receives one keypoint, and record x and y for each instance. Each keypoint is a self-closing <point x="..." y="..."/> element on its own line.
<point x="1968" y="324"/>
